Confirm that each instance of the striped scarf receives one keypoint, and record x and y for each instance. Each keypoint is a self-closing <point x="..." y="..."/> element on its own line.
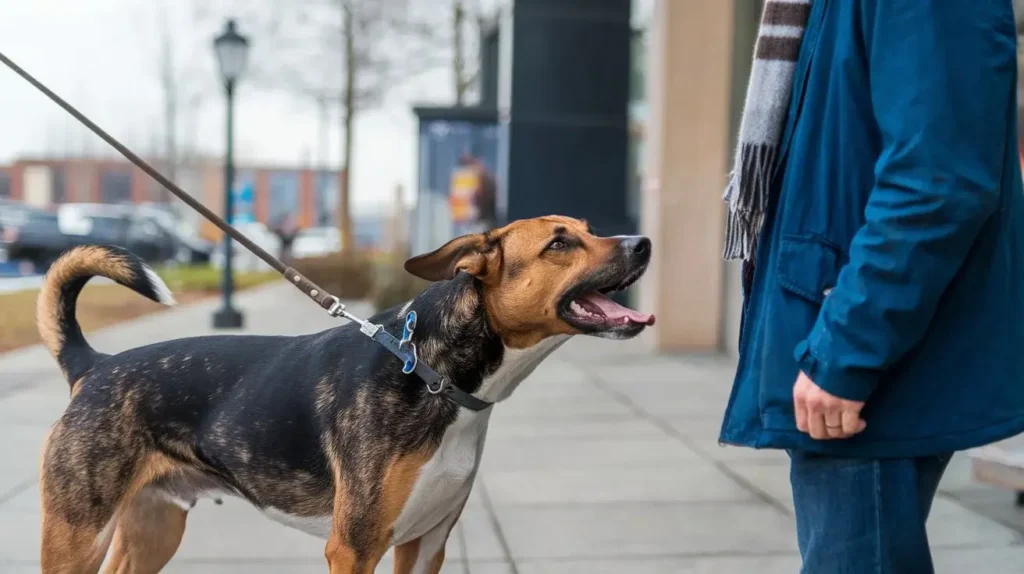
<point x="764" y="117"/>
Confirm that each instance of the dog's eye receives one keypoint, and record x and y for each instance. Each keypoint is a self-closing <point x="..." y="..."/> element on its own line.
<point x="558" y="245"/>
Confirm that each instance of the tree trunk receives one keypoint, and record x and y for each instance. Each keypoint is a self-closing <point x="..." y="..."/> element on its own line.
<point x="348" y="117"/>
<point x="169" y="85"/>
<point x="458" y="64"/>
<point x="322" y="158"/>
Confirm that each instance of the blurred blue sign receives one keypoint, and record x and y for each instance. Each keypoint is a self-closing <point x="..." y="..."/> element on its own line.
<point x="245" y="203"/>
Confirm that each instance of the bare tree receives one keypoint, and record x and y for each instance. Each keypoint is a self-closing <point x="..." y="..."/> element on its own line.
<point x="469" y="16"/>
<point x="344" y="54"/>
<point x="183" y="86"/>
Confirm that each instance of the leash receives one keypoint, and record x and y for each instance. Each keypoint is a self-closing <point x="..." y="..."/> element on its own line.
<point x="404" y="348"/>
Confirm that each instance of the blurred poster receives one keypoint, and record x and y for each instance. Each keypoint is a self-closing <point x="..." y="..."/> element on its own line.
<point x="447" y="183"/>
<point x="465" y="182"/>
<point x="244" y="201"/>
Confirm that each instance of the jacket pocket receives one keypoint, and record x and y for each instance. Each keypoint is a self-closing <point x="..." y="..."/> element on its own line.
<point x="807" y="266"/>
<point x="805" y="269"/>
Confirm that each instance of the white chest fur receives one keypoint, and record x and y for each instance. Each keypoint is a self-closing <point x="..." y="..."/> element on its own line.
<point x="445" y="481"/>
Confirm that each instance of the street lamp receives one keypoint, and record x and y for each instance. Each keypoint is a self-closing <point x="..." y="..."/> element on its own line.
<point x="232" y="51"/>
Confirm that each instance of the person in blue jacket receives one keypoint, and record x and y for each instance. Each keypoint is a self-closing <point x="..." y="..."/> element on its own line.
<point x="877" y="206"/>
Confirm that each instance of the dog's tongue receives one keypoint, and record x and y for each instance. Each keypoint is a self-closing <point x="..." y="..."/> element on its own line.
<point x="614" y="311"/>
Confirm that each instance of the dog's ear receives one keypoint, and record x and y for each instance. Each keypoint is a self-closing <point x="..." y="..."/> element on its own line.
<point x="469" y="253"/>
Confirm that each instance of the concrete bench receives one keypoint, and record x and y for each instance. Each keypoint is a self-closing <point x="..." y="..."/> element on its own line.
<point x="1001" y="464"/>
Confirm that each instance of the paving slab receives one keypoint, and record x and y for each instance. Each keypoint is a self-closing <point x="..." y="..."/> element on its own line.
<point x="595" y="453"/>
<point x="707" y="565"/>
<point x="770" y="479"/>
<point x="481" y="535"/>
<point x="637" y="530"/>
<point x="581" y="407"/>
<point x="624" y="426"/>
<point x="979" y="560"/>
<point x="694" y="482"/>
<point x="952" y="525"/>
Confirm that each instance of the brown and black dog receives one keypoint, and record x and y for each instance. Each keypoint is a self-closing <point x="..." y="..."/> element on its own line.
<point x="322" y="432"/>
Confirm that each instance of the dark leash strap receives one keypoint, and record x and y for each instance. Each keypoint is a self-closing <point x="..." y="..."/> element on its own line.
<point x="404" y="349"/>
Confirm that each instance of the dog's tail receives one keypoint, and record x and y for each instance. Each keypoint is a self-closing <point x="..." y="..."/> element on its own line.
<point x="55" y="309"/>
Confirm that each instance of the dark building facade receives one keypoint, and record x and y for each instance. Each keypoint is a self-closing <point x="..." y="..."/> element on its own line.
<point x="563" y="106"/>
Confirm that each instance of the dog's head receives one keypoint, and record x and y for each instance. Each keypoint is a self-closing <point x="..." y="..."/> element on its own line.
<point x="547" y="276"/>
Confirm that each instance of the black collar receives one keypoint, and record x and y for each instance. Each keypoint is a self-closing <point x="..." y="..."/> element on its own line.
<point x="405" y="350"/>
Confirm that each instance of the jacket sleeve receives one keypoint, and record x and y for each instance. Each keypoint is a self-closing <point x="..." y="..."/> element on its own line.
<point x="942" y="87"/>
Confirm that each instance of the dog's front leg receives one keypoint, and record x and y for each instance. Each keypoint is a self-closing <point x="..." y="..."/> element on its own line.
<point x="360" y="552"/>
<point x="343" y="559"/>
<point x="425" y="555"/>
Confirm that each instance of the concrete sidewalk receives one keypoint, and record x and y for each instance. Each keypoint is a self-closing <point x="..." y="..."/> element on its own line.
<point x="606" y="460"/>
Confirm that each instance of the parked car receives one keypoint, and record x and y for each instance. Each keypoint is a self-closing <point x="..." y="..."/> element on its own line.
<point x="120" y="225"/>
<point x="316" y="241"/>
<point x="30" y="238"/>
<point x="190" y="248"/>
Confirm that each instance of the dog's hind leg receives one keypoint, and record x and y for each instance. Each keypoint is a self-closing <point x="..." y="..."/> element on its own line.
<point x="78" y="520"/>
<point x="73" y="549"/>
<point x="92" y="466"/>
<point x="149" y="530"/>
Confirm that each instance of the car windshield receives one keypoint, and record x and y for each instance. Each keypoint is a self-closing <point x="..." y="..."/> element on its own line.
<point x="108" y="228"/>
<point x="13" y="216"/>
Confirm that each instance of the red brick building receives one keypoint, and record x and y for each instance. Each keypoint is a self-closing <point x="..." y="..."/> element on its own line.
<point x="311" y="195"/>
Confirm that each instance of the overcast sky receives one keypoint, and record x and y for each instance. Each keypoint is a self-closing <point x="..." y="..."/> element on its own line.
<point x="101" y="55"/>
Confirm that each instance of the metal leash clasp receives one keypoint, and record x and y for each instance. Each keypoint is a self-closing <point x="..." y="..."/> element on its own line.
<point x="337" y="308"/>
<point x="406" y="344"/>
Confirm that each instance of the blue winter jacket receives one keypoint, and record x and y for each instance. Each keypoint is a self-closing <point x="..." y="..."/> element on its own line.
<point x="890" y="267"/>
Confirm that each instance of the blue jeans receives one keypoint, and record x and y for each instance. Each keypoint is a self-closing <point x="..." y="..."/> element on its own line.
<point x="864" y="516"/>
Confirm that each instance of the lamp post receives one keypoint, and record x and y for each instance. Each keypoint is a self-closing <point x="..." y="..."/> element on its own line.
<point x="232" y="51"/>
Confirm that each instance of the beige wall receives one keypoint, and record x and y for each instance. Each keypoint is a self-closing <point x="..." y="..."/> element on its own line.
<point x="697" y="70"/>
<point x="690" y="81"/>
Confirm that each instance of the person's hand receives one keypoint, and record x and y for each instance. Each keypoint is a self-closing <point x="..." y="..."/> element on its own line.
<point x="822" y="415"/>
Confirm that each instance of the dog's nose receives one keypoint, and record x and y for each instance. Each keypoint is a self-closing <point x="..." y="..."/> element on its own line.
<point x="637" y="245"/>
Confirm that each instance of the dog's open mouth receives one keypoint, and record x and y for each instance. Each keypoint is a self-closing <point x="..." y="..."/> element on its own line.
<point x="593" y="310"/>
<point x="598" y="309"/>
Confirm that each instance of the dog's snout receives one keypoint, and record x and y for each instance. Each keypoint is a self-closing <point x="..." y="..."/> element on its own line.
<point x="637" y="245"/>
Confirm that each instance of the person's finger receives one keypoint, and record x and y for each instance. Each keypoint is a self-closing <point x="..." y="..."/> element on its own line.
<point x="800" y="410"/>
<point x="816" y="422"/>
<point x="834" y="423"/>
<point x="852" y="423"/>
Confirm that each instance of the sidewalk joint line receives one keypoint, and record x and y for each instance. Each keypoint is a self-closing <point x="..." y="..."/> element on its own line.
<point x="489" y="506"/>
<point x="460" y="539"/>
<point x="957" y="500"/>
<point x="18" y="489"/>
